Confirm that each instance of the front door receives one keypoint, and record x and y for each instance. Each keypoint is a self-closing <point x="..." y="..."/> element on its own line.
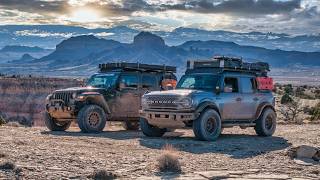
<point x="128" y="97"/>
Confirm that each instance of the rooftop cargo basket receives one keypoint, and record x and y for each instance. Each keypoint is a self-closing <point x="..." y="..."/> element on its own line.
<point x="230" y="64"/>
<point x="137" y="67"/>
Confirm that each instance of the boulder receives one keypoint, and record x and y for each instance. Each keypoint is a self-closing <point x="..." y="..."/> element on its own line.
<point x="304" y="154"/>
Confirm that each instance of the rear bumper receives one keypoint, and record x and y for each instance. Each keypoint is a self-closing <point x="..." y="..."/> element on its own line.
<point x="168" y="119"/>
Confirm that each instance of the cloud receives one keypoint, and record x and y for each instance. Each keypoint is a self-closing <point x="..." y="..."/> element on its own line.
<point x="293" y="16"/>
<point x="239" y="7"/>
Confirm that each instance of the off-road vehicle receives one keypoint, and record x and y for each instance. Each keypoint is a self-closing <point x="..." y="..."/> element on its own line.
<point x="113" y="94"/>
<point x="212" y="95"/>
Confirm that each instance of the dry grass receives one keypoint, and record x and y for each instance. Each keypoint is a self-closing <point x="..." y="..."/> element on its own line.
<point x="102" y="175"/>
<point x="169" y="159"/>
<point x="9" y="165"/>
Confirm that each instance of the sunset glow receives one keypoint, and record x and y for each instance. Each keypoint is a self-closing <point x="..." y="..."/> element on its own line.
<point x="84" y="15"/>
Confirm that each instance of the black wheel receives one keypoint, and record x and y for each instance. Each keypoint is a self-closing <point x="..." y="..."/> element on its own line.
<point x="92" y="119"/>
<point x="54" y="125"/>
<point x="130" y="125"/>
<point x="149" y="130"/>
<point x="208" y="126"/>
<point x="266" y="124"/>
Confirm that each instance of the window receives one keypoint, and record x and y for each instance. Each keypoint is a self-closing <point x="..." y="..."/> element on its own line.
<point x="149" y="81"/>
<point x="129" y="81"/>
<point x="231" y="85"/>
<point x="198" y="81"/>
<point x="102" y="80"/>
<point x="247" y="85"/>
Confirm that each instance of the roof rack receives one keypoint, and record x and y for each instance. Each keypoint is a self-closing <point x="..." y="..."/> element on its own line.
<point x="224" y="63"/>
<point x="136" y="67"/>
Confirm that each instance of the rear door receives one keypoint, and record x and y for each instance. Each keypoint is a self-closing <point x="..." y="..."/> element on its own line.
<point x="250" y="100"/>
<point x="231" y="98"/>
<point x="128" y="98"/>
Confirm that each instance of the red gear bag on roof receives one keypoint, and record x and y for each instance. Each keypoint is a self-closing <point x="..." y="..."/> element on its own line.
<point x="264" y="83"/>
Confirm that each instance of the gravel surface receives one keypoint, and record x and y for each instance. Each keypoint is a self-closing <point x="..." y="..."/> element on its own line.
<point x="40" y="154"/>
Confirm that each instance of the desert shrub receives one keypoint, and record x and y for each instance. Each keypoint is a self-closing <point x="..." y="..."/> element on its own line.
<point x="315" y="113"/>
<point x="300" y="92"/>
<point x="2" y="121"/>
<point x="317" y="93"/>
<point x="102" y="175"/>
<point x="291" y="111"/>
<point x="3" y="155"/>
<point x="169" y="160"/>
<point x="288" y="89"/>
<point x="7" y="165"/>
<point x="286" y="98"/>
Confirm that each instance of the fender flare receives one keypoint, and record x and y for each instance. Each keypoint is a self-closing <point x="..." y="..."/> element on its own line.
<point x="204" y="105"/>
<point x="97" y="99"/>
<point x="262" y="107"/>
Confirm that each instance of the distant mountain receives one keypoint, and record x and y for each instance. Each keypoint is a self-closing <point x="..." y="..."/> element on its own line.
<point x="150" y="48"/>
<point x="15" y="52"/>
<point x="16" y="48"/>
<point x="79" y="56"/>
<point x="78" y="47"/>
<point x="306" y="43"/>
<point x="47" y="36"/>
<point x="25" y="58"/>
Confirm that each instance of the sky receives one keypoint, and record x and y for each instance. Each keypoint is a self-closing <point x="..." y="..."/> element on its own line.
<point x="279" y="16"/>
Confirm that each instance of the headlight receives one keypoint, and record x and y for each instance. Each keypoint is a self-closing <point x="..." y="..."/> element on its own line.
<point x="144" y="103"/>
<point x="80" y="98"/>
<point x="185" y="102"/>
<point x="48" y="97"/>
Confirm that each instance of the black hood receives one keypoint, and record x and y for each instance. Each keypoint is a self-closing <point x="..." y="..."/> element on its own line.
<point x="82" y="89"/>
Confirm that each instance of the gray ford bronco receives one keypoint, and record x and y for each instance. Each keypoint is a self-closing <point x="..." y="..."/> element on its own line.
<point x="112" y="94"/>
<point x="212" y="95"/>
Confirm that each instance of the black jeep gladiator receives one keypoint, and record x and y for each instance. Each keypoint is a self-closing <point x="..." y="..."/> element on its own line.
<point x="112" y="94"/>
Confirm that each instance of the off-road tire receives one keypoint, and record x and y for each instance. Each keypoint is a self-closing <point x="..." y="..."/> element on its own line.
<point x="208" y="126"/>
<point x="54" y="125"/>
<point x="266" y="124"/>
<point x="149" y="130"/>
<point x="130" y="125"/>
<point x="91" y="119"/>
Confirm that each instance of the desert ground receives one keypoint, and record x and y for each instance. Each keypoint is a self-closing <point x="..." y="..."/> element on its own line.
<point x="40" y="154"/>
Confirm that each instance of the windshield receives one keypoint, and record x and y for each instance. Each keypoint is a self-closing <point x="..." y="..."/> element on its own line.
<point x="198" y="81"/>
<point x="102" y="80"/>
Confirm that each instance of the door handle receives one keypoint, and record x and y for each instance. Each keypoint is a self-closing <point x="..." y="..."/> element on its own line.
<point x="238" y="99"/>
<point x="135" y="95"/>
<point x="255" y="99"/>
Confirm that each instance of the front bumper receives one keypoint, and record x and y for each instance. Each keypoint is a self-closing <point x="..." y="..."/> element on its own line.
<point x="60" y="111"/>
<point x="168" y="119"/>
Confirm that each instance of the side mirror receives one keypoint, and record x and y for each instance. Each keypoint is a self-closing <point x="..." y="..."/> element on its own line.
<point x="217" y="90"/>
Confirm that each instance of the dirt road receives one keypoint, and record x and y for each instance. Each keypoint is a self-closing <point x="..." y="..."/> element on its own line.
<point x="41" y="154"/>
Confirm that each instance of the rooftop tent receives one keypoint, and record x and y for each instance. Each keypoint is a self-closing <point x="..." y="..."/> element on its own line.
<point x="222" y="63"/>
<point x="137" y="67"/>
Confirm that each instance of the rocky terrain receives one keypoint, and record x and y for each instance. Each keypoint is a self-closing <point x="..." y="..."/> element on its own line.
<point x="35" y="153"/>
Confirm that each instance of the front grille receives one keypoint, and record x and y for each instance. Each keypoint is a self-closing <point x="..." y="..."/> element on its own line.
<point x="64" y="96"/>
<point x="163" y="101"/>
